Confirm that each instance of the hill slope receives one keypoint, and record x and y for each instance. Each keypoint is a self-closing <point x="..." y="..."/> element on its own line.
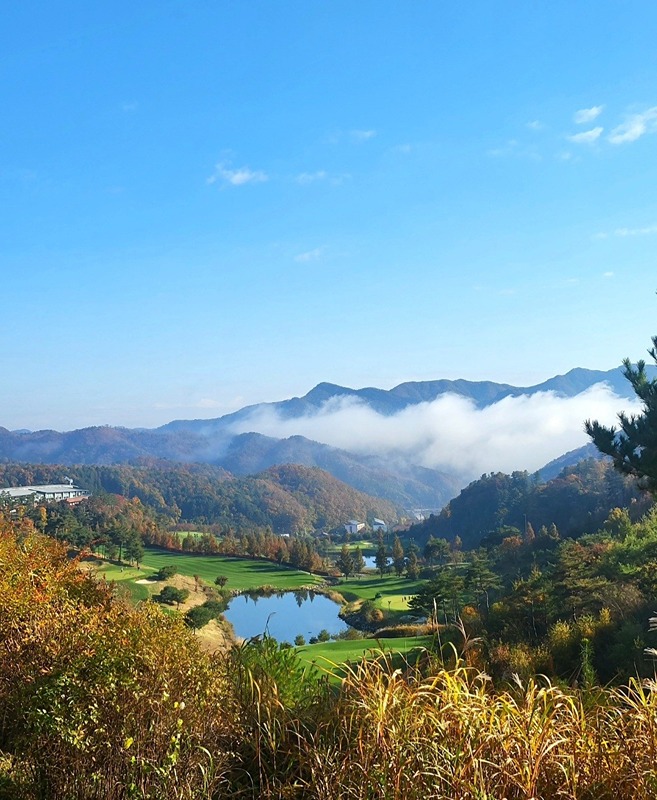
<point x="577" y="501"/>
<point x="287" y="499"/>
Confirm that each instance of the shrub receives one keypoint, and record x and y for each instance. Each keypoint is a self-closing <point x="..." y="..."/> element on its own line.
<point x="97" y="699"/>
<point x="172" y="596"/>
<point x="198" y="617"/>
<point x="164" y="573"/>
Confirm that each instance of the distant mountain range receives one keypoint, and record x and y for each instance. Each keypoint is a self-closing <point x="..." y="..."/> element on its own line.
<point x="215" y="441"/>
<point x="390" y="401"/>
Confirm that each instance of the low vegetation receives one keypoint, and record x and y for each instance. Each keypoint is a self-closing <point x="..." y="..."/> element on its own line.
<point x="103" y="701"/>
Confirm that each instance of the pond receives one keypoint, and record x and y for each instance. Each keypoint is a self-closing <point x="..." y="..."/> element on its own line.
<point x="370" y="562"/>
<point x="284" y="615"/>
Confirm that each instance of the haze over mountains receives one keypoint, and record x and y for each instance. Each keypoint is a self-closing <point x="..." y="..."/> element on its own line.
<point x="416" y="444"/>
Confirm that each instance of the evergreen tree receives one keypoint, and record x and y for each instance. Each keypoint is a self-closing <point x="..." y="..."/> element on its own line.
<point x="633" y="445"/>
<point x="398" y="557"/>
<point x="444" y="590"/>
<point x="359" y="561"/>
<point x="381" y="558"/>
<point x="480" y="578"/>
<point x="171" y="595"/>
<point x="198" y="617"/>
<point x="134" y="549"/>
<point x="412" y="565"/>
<point x="345" y="562"/>
<point x="436" y="549"/>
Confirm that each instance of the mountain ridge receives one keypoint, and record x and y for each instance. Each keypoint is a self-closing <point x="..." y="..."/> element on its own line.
<point x="216" y="441"/>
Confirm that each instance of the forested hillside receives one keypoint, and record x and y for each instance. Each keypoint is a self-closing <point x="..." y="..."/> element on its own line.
<point x="209" y="442"/>
<point x="577" y="501"/>
<point x="285" y="499"/>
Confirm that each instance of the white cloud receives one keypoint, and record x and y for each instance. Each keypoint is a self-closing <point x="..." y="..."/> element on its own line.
<point x="355" y="135"/>
<point x="586" y="137"/>
<point x="607" y="274"/>
<point x="310" y="255"/>
<point x="648" y="230"/>
<point x="514" y="148"/>
<point x="535" y="125"/>
<point x="450" y="433"/>
<point x="585" y="115"/>
<point x="508" y="149"/>
<point x="304" y="178"/>
<point x="635" y="126"/>
<point x="363" y="136"/>
<point x="223" y="173"/>
<point x="129" y="107"/>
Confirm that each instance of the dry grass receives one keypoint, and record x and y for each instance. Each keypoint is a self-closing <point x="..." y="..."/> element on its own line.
<point x="399" y="736"/>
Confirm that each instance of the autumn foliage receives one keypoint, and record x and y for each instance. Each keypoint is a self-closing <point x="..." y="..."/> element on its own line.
<point x="97" y="699"/>
<point x="100" y="701"/>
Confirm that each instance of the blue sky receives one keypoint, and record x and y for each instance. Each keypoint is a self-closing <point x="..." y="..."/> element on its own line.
<point x="208" y="204"/>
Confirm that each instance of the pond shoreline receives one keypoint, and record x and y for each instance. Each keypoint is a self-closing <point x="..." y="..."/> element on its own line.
<point x="297" y="619"/>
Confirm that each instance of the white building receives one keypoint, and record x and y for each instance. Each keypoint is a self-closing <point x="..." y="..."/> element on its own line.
<point x="353" y="526"/>
<point x="379" y="525"/>
<point x="46" y="493"/>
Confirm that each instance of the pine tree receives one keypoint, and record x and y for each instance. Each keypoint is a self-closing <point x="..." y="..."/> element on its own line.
<point x="345" y="562"/>
<point x="381" y="557"/>
<point x="412" y="565"/>
<point x="398" y="557"/>
<point x="359" y="561"/>
<point x="633" y="445"/>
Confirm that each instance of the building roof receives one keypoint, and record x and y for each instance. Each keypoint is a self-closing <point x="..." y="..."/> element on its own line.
<point x="19" y="491"/>
<point x="43" y="488"/>
<point x="55" y="487"/>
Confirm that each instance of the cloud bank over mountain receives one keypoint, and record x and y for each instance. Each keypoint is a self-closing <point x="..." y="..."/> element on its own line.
<point x="450" y="433"/>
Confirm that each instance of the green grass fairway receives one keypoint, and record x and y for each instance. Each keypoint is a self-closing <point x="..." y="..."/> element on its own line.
<point x="393" y="590"/>
<point x="367" y="548"/>
<point x="124" y="577"/>
<point x="242" y="573"/>
<point x="324" y="654"/>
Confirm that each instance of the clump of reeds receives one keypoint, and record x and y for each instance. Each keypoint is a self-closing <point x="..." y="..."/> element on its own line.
<point x="452" y="736"/>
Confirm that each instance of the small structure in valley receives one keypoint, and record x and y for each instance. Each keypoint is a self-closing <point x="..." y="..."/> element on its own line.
<point x="353" y="526"/>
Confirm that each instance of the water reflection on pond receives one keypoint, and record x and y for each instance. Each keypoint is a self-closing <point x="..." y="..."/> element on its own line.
<point x="370" y="562"/>
<point x="284" y="615"/>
